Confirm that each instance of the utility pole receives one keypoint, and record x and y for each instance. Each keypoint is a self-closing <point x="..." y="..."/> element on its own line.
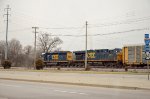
<point x="6" y="47"/>
<point x="35" y="31"/>
<point x="86" y="46"/>
<point x="1" y="58"/>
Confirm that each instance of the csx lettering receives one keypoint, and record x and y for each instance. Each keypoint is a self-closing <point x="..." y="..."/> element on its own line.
<point x="55" y="57"/>
<point x="91" y="55"/>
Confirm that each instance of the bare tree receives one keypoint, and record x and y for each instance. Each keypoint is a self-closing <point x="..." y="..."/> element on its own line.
<point x="47" y="43"/>
<point x="28" y="54"/>
<point x="16" y="54"/>
<point x="14" y="51"/>
<point x="2" y="49"/>
<point x="28" y="49"/>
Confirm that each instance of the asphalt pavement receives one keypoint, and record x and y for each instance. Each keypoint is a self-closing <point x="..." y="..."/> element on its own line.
<point x="34" y="90"/>
<point x="129" y="81"/>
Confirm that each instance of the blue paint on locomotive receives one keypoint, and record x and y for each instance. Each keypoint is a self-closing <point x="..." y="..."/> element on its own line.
<point x="99" y="54"/>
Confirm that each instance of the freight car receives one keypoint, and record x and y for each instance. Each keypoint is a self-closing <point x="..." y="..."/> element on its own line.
<point x="105" y="57"/>
<point x="134" y="55"/>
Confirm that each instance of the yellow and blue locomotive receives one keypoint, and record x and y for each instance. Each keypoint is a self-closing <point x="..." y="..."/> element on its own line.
<point x="99" y="57"/>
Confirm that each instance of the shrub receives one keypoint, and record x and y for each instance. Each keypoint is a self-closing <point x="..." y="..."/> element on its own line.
<point x="39" y="64"/>
<point x="6" y="64"/>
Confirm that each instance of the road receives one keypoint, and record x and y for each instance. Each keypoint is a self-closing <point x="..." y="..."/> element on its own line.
<point x="32" y="90"/>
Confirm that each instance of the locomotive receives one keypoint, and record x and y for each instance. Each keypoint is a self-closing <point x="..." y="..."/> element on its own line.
<point x="98" y="57"/>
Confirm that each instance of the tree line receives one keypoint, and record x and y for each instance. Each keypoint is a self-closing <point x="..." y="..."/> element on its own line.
<point x="23" y="56"/>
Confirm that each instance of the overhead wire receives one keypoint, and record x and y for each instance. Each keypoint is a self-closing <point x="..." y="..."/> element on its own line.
<point x="103" y="25"/>
<point x="63" y="28"/>
<point x="17" y="30"/>
<point x="90" y="25"/>
<point x="120" y="23"/>
<point x="132" y="30"/>
<point x="99" y="34"/>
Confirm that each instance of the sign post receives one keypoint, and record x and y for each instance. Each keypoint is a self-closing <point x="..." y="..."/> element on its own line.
<point x="147" y="51"/>
<point x="148" y="69"/>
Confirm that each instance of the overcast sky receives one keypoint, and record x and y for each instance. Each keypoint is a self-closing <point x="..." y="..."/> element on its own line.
<point x="126" y="21"/>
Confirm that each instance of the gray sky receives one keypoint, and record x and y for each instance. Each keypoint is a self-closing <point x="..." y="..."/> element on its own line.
<point x="103" y="16"/>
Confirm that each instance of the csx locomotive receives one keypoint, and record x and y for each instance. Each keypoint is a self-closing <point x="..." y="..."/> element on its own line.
<point x="99" y="57"/>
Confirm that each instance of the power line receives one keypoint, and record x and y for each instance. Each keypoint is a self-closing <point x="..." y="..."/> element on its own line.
<point x="99" y="34"/>
<point x="105" y="25"/>
<point x="120" y="23"/>
<point x="32" y="17"/>
<point x="17" y="30"/>
<point x="132" y="30"/>
<point x="63" y="28"/>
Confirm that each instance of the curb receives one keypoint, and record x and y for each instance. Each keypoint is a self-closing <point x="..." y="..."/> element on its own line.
<point x="79" y="84"/>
